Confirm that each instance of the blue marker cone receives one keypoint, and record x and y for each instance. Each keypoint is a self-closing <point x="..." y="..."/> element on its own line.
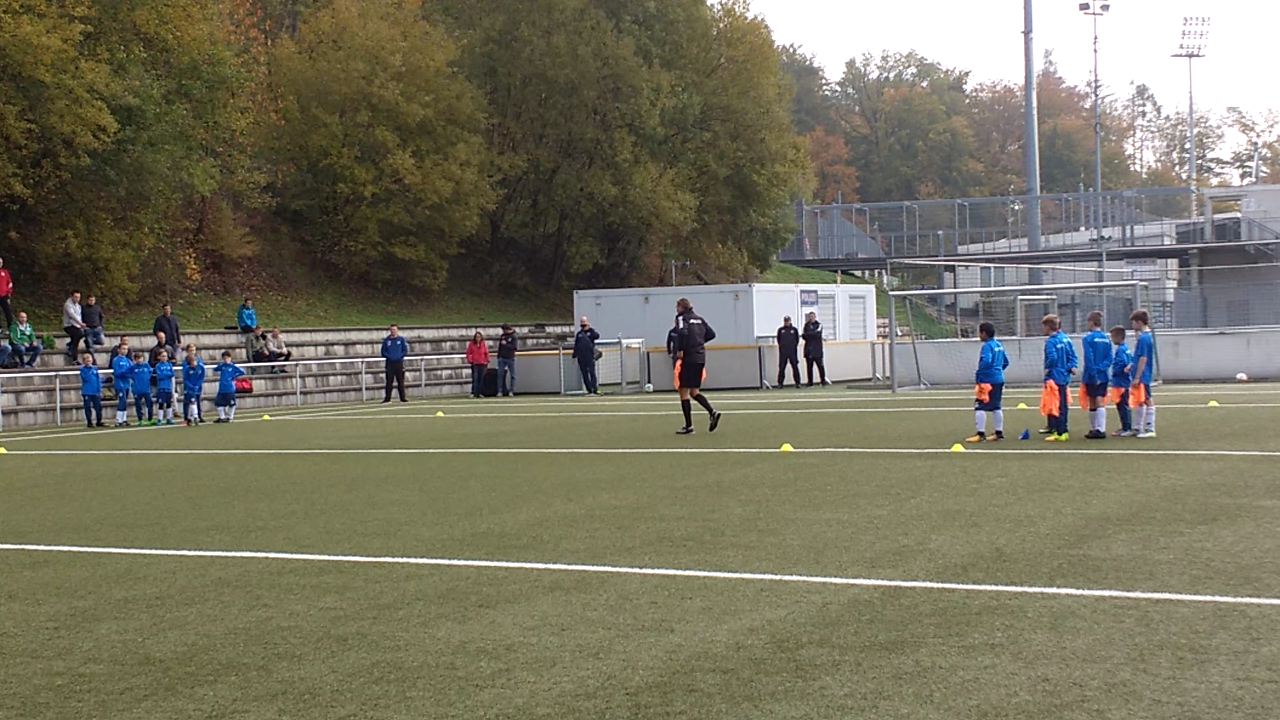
<point x="1026" y="435"/>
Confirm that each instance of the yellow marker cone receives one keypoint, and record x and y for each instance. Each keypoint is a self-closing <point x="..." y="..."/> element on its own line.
<point x="439" y="413"/>
<point x="786" y="447"/>
<point x="1022" y="406"/>
<point x="1213" y="403"/>
<point x="3" y="451"/>
<point x="266" y="417"/>
<point x="957" y="448"/>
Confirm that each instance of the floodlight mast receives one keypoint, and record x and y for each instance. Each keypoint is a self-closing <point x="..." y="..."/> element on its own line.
<point x="1195" y="39"/>
<point x="1096" y="10"/>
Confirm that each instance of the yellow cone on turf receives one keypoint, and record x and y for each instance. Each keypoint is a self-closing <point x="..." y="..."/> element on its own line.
<point x="3" y="451"/>
<point x="266" y="417"/>
<point x="1213" y="403"/>
<point x="1022" y="406"/>
<point x="957" y="448"/>
<point x="439" y="413"/>
<point x="786" y="447"/>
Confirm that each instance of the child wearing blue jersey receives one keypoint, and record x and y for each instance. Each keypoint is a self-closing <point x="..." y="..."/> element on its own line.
<point x="192" y="387"/>
<point x="1060" y="363"/>
<point x="141" y="376"/>
<point x="989" y="385"/>
<point x="1095" y="376"/>
<point x="226" y="398"/>
<point x="1144" y="358"/>
<point x="164" y="387"/>
<point x="90" y="390"/>
<point x="121" y="371"/>
<point x="1121" y="366"/>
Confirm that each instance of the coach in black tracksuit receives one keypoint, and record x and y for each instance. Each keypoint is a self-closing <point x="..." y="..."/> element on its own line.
<point x="788" y="345"/>
<point x="813" y="348"/>
<point x="692" y="335"/>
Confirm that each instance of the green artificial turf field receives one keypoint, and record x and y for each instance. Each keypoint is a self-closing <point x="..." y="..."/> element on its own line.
<point x="573" y="558"/>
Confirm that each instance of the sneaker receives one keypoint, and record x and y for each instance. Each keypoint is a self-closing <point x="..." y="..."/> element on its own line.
<point x="1146" y="435"/>
<point x="1128" y="433"/>
<point x="188" y="423"/>
<point x="90" y="426"/>
<point x="685" y="431"/>
<point x="142" y="423"/>
<point x="219" y="421"/>
<point x="715" y="422"/>
<point x="123" y="424"/>
<point x="1046" y="431"/>
<point x="100" y="425"/>
<point x="1061" y="437"/>
<point x="168" y="422"/>
<point x="997" y="437"/>
<point x="977" y="438"/>
<point x="1095" y="435"/>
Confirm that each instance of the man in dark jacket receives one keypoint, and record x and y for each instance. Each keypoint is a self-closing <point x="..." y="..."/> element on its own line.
<point x="94" y="319"/>
<point x="584" y="351"/>
<point x="788" y="345"/>
<point x="813" y="348"/>
<point x="168" y="324"/>
<point x="394" y="351"/>
<point x="693" y="333"/>
<point x="507" y="346"/>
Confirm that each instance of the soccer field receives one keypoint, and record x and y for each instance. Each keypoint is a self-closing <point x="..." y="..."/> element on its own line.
<point x="573" y="558"/>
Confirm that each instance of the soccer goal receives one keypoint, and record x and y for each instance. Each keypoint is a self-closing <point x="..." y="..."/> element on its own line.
<point x="921" y="360"/>
<point x="620" y="367"/>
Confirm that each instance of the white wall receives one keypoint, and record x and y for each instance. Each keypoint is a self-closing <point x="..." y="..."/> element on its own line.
<point x="650" y="312"/>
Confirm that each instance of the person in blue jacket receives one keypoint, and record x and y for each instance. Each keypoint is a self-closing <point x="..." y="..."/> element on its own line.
<point x="164" y="388"/>
<point x="1060" y="363"/>
<point x="121" y="378"/>
<point x="226" y="398"/>
<point x="394" y="350"/>
<point x="246" y="316"/>
<point x="1096" y="373"/>
<point x="91" y="390"/>
<point x="989" y="385"/>
<point x="192" y="387"/>
<point x="141" y="376"/>
<point x="584" y="351"/>
<point x="1121" y="362"/>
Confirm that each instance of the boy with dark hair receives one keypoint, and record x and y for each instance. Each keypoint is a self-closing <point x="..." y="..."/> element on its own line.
<point x="192" y="387"/>
<point x="1097" y="368"/>
<point x="1060" y="364"/>
<point x="141" y="376"/>
<point x="1121" y="362"/>
<point x="1144" y="356"/>
<point x="989" y="387"/>
<point x="90" y="390"/>
<point x="164" y="388"/>
<point x="226" y="398"/>
<point x="121" y="371"/>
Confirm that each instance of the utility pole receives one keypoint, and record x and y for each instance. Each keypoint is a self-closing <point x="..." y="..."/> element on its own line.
<point x="1030" y="139"/>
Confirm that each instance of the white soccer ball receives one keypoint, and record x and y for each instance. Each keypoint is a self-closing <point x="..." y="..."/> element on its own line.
<point x="1242" y="377"/>
<point x="648" y="387"/>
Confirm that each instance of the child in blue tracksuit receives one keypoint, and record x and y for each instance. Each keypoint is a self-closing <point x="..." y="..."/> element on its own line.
<point x="121" y="379"/>
<point x="1097" y="371"/>
<point x="192" y="387"/>
<point x="989" y="385"/>
<point x="1060" y="363"/>
<point x="1121" y="362"/>
<point x="164" y="388"/>
<point x="91" y="390"/>
<point x="141" y="376"/>
<point x="226" y="399"/>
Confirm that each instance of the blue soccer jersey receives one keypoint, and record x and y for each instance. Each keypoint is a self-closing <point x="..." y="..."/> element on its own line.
<point x="1097" y="358"/>
<point x="1120" y="362"/>
<point x="992" y="362"/>
<point x="1059" y="358"/>
<point x="1146" y="348"/>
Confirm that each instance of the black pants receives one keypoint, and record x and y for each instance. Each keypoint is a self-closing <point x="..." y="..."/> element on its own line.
<point x="8" y="311"/>
<point x="809" y="362"/>
<point x="589" y="380"/>
<point x="76" y="334"/>
<point x="395" y="374"/>
<point x="785" y="359"/>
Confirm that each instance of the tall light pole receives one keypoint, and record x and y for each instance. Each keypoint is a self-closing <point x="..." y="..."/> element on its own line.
<point x="1030" y="139"/>
<point x="1097" y="10"/>
<point x="1195" y="38"/>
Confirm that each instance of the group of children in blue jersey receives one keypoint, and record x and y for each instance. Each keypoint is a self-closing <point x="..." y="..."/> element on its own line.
<point x="134" y="376"/>
<point x="1110" y="371"/>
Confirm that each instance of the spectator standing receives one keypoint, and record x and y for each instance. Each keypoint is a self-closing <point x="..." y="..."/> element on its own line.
<point x="6" y="293"/>
<point x="478" y="358"/>
<point x="813" y="348"/>
<point x="162" y="346"/>
<point x="247" y="317"/>
<point x="93" y="317"/>
<point x="788" y="343"/>
<point x="584" y="351"/>
<point x="277" y="350"/>
<point x="394" y="351"/>
<point x="167" y="323"/>
<point x="508" y="344"/>
<point x="25" y="345"/>
<point x="72" y="322"/>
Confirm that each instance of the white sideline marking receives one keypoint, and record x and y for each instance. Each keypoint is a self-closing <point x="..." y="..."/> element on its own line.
<point x="651" y="451"/>
<point x="659" y="572"/>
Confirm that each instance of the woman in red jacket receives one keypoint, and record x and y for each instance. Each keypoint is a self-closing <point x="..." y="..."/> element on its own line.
<point x="478" y="357"/>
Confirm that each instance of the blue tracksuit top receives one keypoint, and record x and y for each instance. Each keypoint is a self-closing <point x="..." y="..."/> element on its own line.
<point x="1059" y="358"/>
<point x="1145" y="348"/>
<point x="193" y="378"/>
<point x="227" y="374"/>
<point x="141" y="376"/>
<point x="1120" y="362"/>
<point x="395" y="348"/>
<point x="992" y="362"/>
<point x="1097" y="357"/>
<point x="90" y="382"/>
<point x="164" y="376"/>
<point x="121" y="369"/>
<point x="247" y="316"/>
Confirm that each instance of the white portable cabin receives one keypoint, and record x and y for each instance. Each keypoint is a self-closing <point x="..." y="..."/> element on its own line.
<point x="740" y="314"/>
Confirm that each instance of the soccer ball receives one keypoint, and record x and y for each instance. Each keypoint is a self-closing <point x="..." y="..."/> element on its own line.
<point x="1242" y="377"/>
<point x="648" y="387"/>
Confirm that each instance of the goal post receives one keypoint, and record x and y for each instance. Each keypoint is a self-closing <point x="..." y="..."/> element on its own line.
<point x="620" y="367"/>
<point x="917" y="362"/>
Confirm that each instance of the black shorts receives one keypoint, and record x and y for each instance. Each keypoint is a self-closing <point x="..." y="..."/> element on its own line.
<point x="691" y="374"/>
<point x="994" y="398"/>
<point x="1096" y="390"/>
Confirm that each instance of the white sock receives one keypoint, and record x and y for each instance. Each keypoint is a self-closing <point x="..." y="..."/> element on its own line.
<point x="1151" y="418"/>
<point x="222" y="413"/>
<point x="999" y="416"/>
<point x="1139" y="417"/>
<point x="119" y="417"/>
<point x="231" y="413"/>
<point x="1100" y="420"/>
<point x="980" y="420"/>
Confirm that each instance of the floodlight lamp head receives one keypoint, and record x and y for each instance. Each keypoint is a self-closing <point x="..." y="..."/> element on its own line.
<point x="1085" y="7"/>
<point x="1105" y="7"/>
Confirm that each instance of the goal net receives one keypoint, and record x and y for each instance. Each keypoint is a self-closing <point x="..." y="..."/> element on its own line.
<point x="620" y="368"/>
<point x="939" y="345"/>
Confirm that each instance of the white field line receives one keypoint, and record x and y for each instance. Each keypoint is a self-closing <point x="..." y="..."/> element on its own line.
<point x="659" y="572"/>
<point x="740" y="411"/>
<point x="1093" y="452"/>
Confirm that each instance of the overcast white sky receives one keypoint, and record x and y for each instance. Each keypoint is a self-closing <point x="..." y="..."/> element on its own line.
<point x="985" y="37"/>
